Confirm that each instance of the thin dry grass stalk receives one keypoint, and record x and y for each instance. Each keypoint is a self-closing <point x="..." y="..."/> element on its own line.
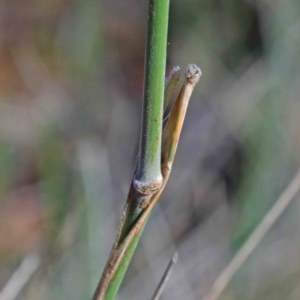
<point x="165" y="277"/>
<point x="20" y="277"/>
<point x="255" y="238"/>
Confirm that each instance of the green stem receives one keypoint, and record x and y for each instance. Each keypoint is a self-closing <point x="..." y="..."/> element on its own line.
<point x="119" y="275"/>
<point x="148" y="178"/>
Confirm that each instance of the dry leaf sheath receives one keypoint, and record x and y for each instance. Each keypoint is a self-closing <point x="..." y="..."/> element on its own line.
<point x="170" y="84"/>
<point x="124" y="246"/>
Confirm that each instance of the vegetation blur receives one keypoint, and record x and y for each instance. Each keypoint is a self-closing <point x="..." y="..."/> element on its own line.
<point x="71" y="81"/>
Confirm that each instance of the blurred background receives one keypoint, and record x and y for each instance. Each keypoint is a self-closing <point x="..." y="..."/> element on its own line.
<point x="71" y="80"/>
